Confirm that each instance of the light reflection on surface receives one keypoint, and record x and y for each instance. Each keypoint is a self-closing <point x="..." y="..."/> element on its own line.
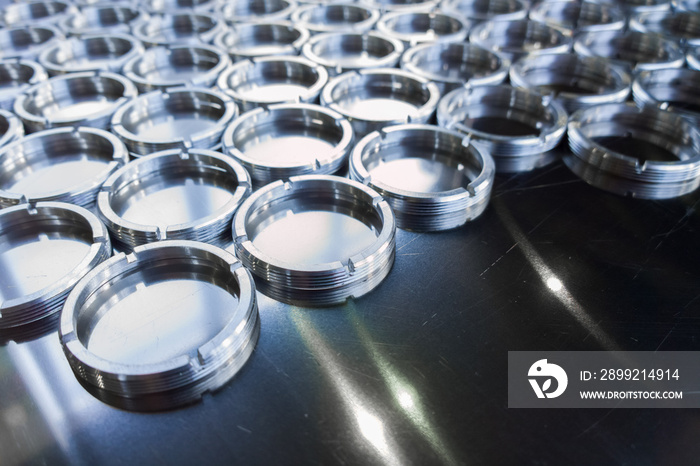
<point x="554" y="284"/>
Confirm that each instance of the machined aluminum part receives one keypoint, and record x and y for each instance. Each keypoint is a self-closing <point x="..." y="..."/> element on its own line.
<point x="373" y="99"/>
<point x="271" y="80"/>
<point x="645" y="145"/>
<point x="637" y="50"/>
<point x="244" y="41"/>
<point x="160" y="327"/>
<point x="526" y="163"/>
<point x="413" y="28"/>
<point x="35" y="13"/>
<point x="27" y="42"/>
<point x="340" y="52"/>
<point x="165" y="67"/>
<point x="103" y="18"/>
<point x="631" y="7"/>
<point x="100" y="52"/>
<point x="680" y="26"/>
<point x="11" y="128"/>
<point x="675" y="89"/>
<point x="315" y="240"/>
<point x="577" y="16"/>
<point x="434" y="179"/>
<point x="285" y="140"/>
<point x="573" y="80"/>
<point x="175" y="194"/>
<point x="255" y="11"/>
<point x="402" y="5"/>
<point x="601" y="179"/>
<point x="686" y="5"/>
<point x="178" y="27"/>
<point x="693" y="58"/>
<point x="166" y="6"/>
<point x="515" y="39"/>
<point x="47" y="248"/>
<point x="62" y="164"/>
<point x="336" y="17"/>
<point x="183" y="117"/>
<point x="16" y="76"/>
<point x="507" y="121"/>
<point x="455" y="64"/>
<point x="486" y="10"/>
<point x="75" y="99"/>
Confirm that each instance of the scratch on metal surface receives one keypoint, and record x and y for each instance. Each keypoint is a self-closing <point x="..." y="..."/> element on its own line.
<point x="497" y="260"/>
<point x="247" y="431"/>
<point x="404" y="245"/>
<point x="678" y="225"/>
<point x="588" y="429"/>
<point x="666" y="337"/>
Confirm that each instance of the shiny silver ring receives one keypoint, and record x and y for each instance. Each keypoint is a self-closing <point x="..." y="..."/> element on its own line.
<point x="675" y="89"/>
<point x="336" y="17"/>
<point x="253" y="40"/>
<point x="455" y="64"/>
<point x="608" y="136"/>
<point x="160" y="327"/>
<point x="179" y="27"/>
<point x="434" y="179"/>
<point x="75" y="99"/>
<point x="315" y="240"/>
<point x="182" y="117"/>
<point x="256" y="11"/>
<point x="693" y="58"/>
<point x="27" y="42"/>
<point x="508" y="121"/>
<point x="487" y="10"/>
<point x="161" y="68"/>
<point x="81" y="160"/>
<point x="413" y="28"/>
<point x="577" y="16"/>
<point x="387" y="6"/>
<point x="204" y="190"/>
<point x="680" y="26"/>
<point x="515" y="39"/>
<point x="636" y="50"/>
<point x="108" y="52"/>
<point x="632" y="7"/>
<point x="270" y="80"/>
<point x="16" y="76"/>
<point x="11" y="128"/>
<point x="573" y="80"/>
<point x="340" y="52"/>
<point x="373" y="99"/>
<point x="165" y="6"/>
<point x="285" y="140"/>
<point x="102" y="19"/>
<point x="36" y="13"/>
<point x="56" y="244"/>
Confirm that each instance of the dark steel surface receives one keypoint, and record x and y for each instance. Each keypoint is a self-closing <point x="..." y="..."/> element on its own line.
<point x="415" y="372"/>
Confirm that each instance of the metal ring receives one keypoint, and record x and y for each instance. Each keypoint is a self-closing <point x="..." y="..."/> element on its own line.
<point x="685" y="5"/>
<point x="256" y="11"/>
<point x="486" y="10"/>
<point x="247" y="41"/>
<point x="414" y="28"/>
<point x="47" y="248"/>
<point x="598" y="134"/>
<point x="675" y="90"/>
<point x="373" y="99"/>
<point x="73" y="172"/>
<point x="682" y="27"/>
<point x="190" y="117"/>
<point x="35" y="13"/>
<point x="577" y="16"/>
<point x="385" y="6"/>
<point x="16" y="76"/>
<point x="101" y="19"/>
<point x="455" y="64"/>
<point x="515" y="39"/>
<point x="270" y="80"/>
<point x="693" y="58"/>
<point x="133" y="205"/>
<point x="634" y="49"/>
<point x="180" y="27"/>
<point x="27" y="42"/>
<point x="631" y="7"/>
<point x="124" y="356"/>
<point x="336" y="17"/>
<point x="340" y="52"/>
<point x="573" y="80"/>
<point x="74" y="99"/>
<point x="508" y="121"/>
<point x="158" y="67"/>
<point x="433" y="179"/>
<point x="11" y="128"/>
<point x="279" y="228"/>
<point x="165" y="6"/>
<point x="108" y="52"/>
<point x="286" y="140"/>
